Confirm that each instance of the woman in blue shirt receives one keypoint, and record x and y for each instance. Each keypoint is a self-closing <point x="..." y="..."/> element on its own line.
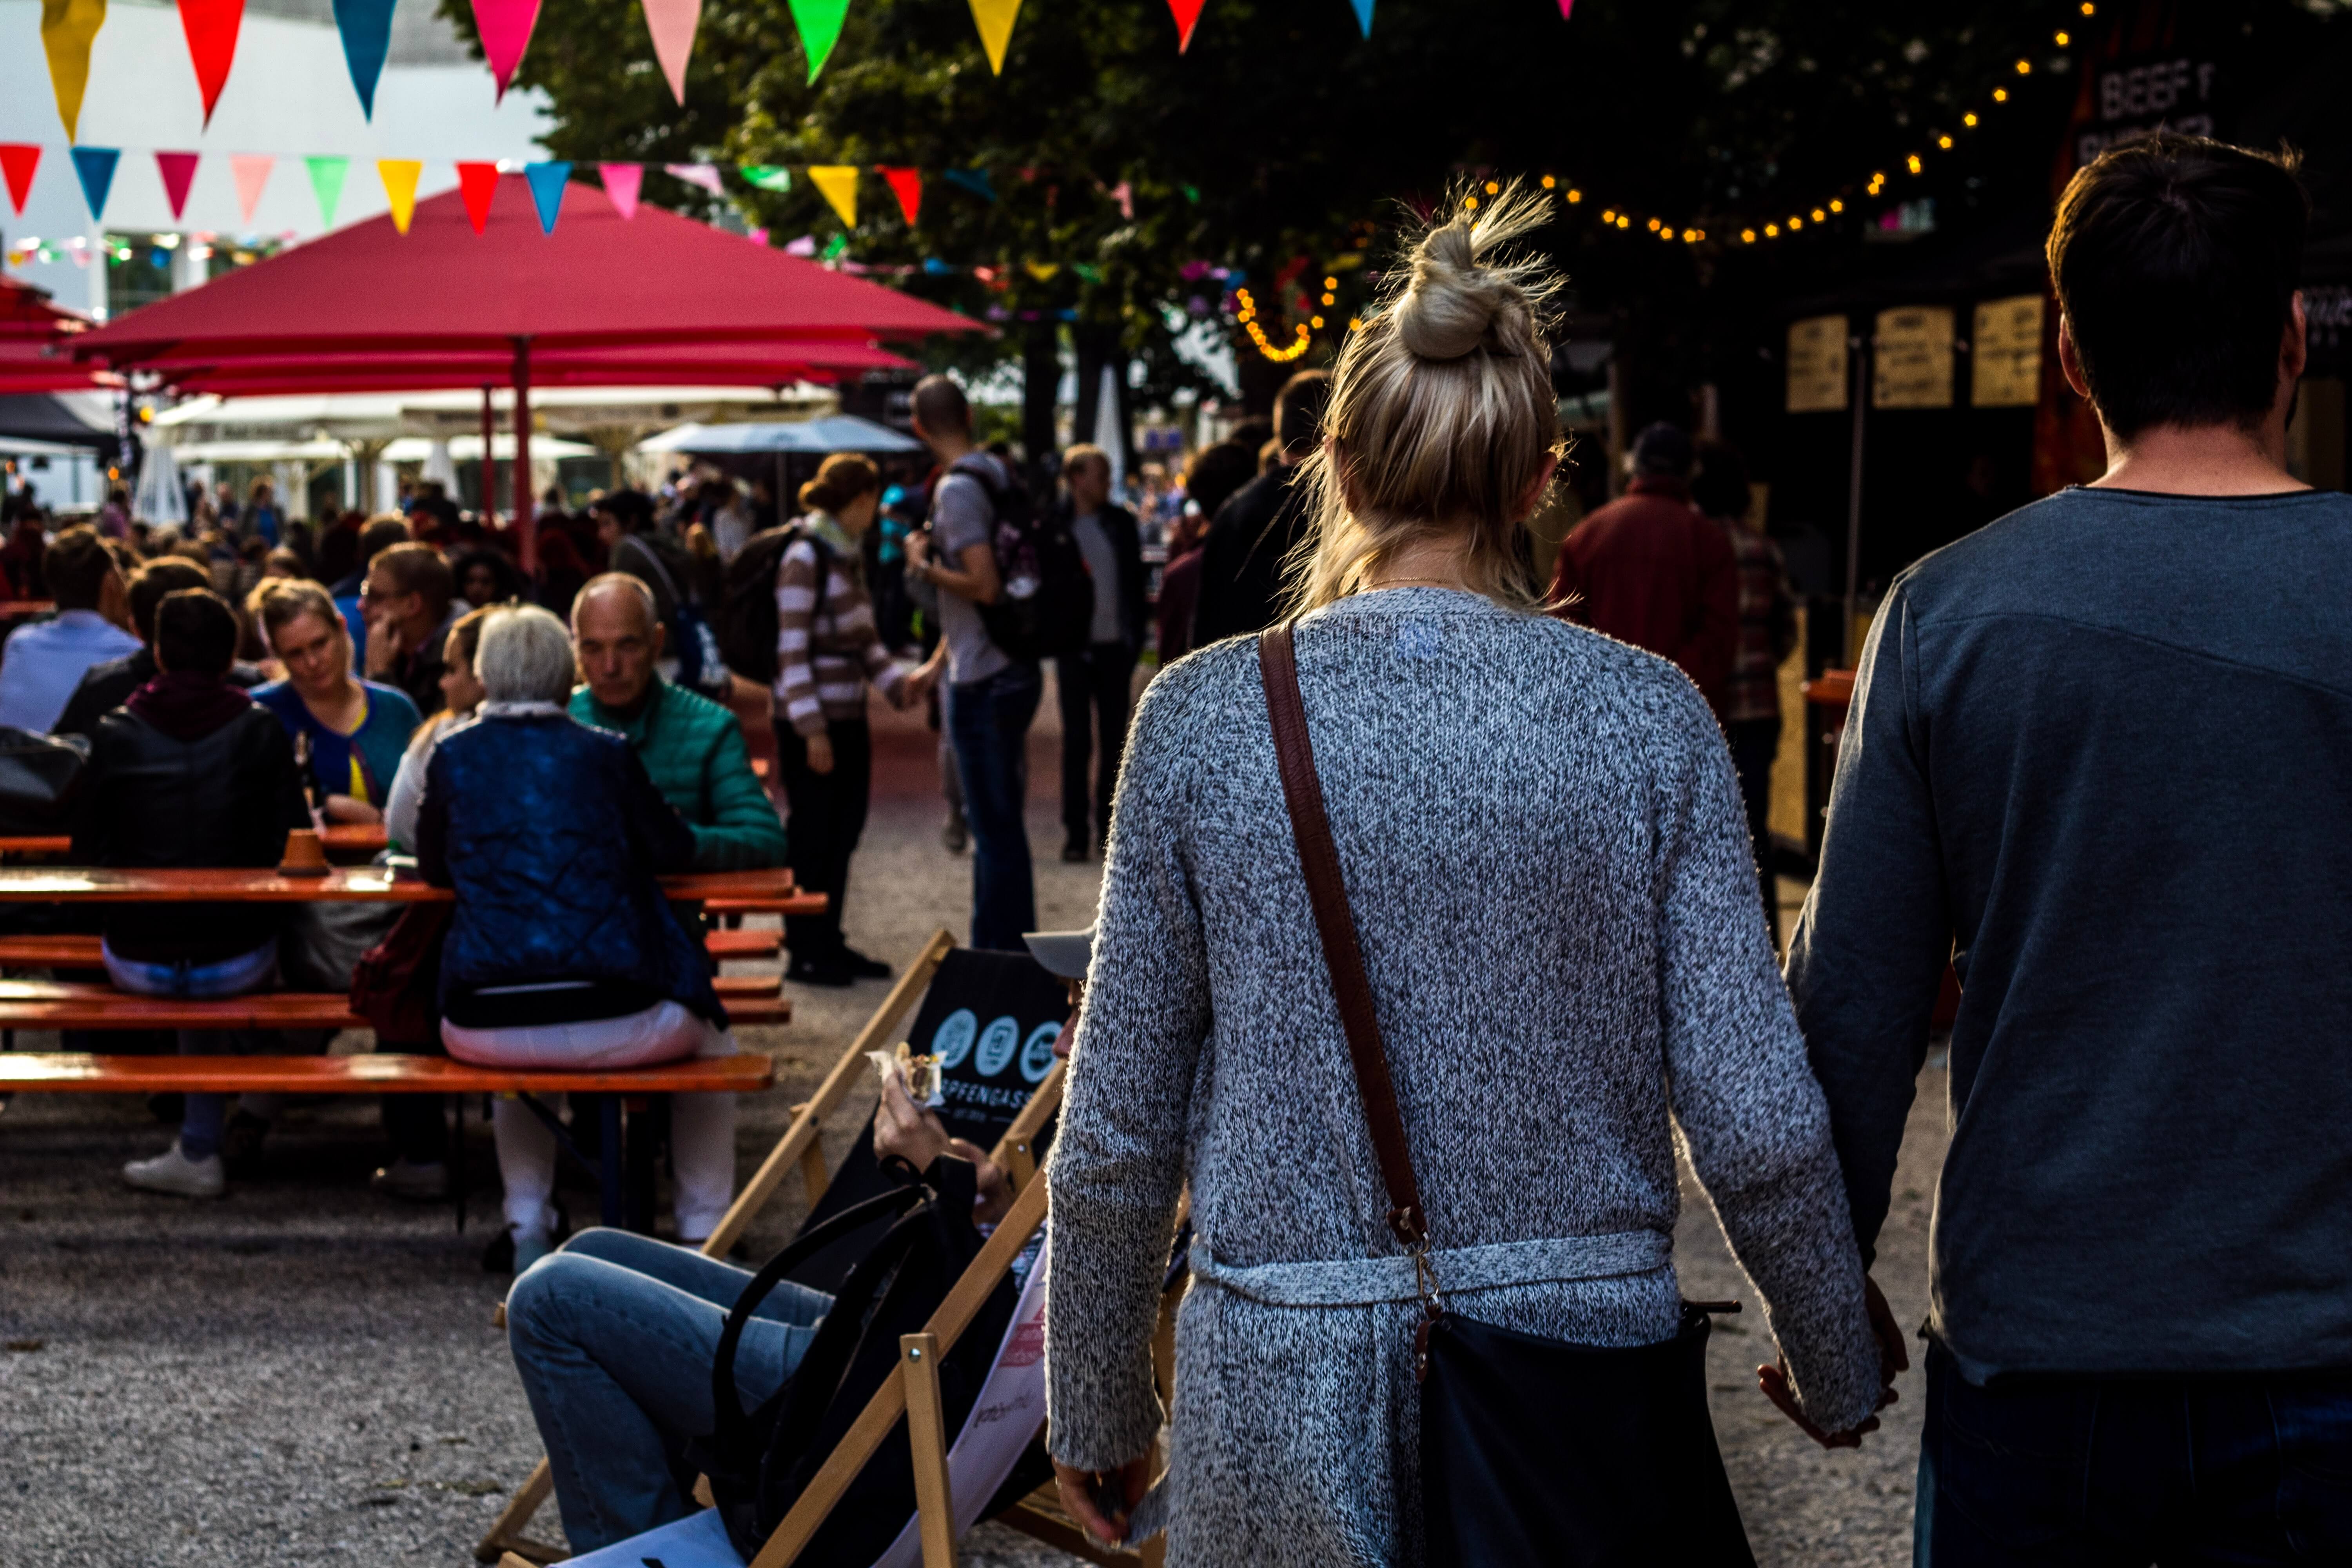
<point x="356" y="730"/>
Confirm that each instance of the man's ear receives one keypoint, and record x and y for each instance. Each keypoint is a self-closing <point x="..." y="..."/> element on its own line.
<point x="661" y="638"/>
<point x="2070" y="360"/>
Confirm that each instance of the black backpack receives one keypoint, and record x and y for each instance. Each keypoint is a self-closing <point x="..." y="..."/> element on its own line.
<point x="747" y="609"/>
<point x="1047" y="606"/>
<point x="759" y="1464"/>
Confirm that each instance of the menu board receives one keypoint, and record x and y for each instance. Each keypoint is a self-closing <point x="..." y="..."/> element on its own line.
<point x="2006" y="369"/>
<point x="1914" y="364"/>
<point x="1817" y="365"/>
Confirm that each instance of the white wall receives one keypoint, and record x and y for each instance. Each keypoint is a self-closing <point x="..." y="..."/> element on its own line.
<point x="289" y="94"/>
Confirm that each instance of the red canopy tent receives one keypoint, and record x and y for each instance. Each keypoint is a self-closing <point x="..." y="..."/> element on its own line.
<point x="35" y="342"/>
<point x="603" y="299"/>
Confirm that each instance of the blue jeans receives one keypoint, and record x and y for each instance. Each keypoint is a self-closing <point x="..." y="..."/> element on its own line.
<point x="989" y="722"/>
<point x="615" y="1337"/>
<point x="202" y="1116"/>
<point x="2114" y="1472"/>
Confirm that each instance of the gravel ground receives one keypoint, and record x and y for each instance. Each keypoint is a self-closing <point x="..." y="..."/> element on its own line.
<point x="306" y="1373"/>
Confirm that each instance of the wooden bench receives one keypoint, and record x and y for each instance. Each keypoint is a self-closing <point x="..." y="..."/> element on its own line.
<point x="82" y="951"/>
<point x="742" y="942"/>
<point x="63" y="1004"/>
<point x="788" y="904"/>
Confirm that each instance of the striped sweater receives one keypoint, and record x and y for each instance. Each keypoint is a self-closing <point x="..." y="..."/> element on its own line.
<point x="827" y="654"/>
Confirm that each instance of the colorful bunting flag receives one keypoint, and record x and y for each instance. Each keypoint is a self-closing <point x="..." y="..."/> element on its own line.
<point x="252" y="172"/>
<point x="399" y="177"/>
<point x="177" y="169"/>
<point x="67" y="28"/>
<point x="907" y="184"/>
<point x="547" y="183"/>
<point x="1364" y="15"/>
<point x="1041" y="271"/>
<point x="820" y="25"/>
<point x="672" y="23"/>
<point x="621" y="184"/>
<point x="839" y="184"/>
<point x="327" y="184"/>
<point x="17" y="161"/>
<point x="366" y="29"/>
<point x="504" y="27"/>
<point x="995" y="19"/>
<point x="1565" y="7"/>
<point x="704" y="175"/>
<point x="767" y="176"/>
<point x="478" y="183"/>
<point x="1188" y="13"/>
<point x="1123" y="194"/>
<point x="972" y="180"/>
<point x="96" y="167"/>
<point x="212" y="27"/>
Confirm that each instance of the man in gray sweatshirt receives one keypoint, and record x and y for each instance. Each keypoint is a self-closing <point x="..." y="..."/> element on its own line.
<point x="2100" y="758"/>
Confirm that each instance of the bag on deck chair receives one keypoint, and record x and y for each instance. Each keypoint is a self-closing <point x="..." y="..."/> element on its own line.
<point x="759" y="1463"/>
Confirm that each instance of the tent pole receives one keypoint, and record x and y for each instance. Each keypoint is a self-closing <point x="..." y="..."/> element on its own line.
<point x="526" y="505"/>
<point x="490" y="476"/>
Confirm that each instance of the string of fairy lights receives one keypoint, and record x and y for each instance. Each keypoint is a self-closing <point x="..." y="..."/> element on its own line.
<point x="1625" y="220"/>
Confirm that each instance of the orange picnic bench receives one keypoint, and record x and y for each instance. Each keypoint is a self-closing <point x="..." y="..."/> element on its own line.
<point x="85" y="952"/>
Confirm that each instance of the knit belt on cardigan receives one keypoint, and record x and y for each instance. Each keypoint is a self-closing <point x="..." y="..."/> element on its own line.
<point x="1365" y="1282"/>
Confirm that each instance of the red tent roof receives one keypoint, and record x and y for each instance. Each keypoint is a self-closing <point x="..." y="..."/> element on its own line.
<point x="687" y="364"/>
<point x="599" y="279"/>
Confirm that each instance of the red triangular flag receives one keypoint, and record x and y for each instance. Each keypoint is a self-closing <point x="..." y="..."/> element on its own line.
<point x="211" y="27"/>
<point x="478" y="182"/>
<point x="18" y="160"/>
<point x="907" y="184"/>
<point x="177" y="169"/>
<point x="1188" y="12"/>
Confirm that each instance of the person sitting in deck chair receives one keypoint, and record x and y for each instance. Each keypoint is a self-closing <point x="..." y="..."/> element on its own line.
<point x="562" y="949"/>
<point x="189" y="771"/>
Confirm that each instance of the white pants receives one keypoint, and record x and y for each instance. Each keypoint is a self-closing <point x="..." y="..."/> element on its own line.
<point x="702" y="1126"/>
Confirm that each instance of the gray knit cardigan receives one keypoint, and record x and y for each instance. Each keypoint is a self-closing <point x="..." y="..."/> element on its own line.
<point x="1544" y="846"/>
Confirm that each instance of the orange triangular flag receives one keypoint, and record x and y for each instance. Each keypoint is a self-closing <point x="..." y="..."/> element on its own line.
<point x="399" y="177"/>
<point x="252" y="172"/>
<point x="838" y="182"/>
<point x="907" y="184"/>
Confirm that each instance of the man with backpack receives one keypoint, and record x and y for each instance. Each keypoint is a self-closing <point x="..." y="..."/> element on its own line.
<point x="991" y="692"/>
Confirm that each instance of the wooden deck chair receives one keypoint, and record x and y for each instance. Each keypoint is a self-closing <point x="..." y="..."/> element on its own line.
<point x="801" y="1149"/>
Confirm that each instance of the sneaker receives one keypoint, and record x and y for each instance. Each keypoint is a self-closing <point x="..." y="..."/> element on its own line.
<point x="819" y="972"/>
<point x="955" y="835"/>
<point x="862" y="967"/>
<point x="419" y="1184"/>
<point x="241" y="1141"/>
<point x="173" y="1172"/>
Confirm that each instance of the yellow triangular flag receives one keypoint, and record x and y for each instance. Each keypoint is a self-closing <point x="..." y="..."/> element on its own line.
<point x="399" y="177"/>
<point x="994" y="18"/>
<point x="1043" y="270"/>
<point x="67" y="28"/>
<point x="839" y="184"/>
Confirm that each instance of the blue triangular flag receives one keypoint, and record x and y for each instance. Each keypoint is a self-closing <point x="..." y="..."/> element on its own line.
<point x="96" y="167"/>
<point x="366" y="27"/>
<point x="936" y="267"/>
<point x="547" y="181"/>
<point x="1364" y="16"/>
<point x="972" y="180"/>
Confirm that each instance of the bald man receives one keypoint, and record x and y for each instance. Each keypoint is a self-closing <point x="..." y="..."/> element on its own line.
<point x="693" y="747"/>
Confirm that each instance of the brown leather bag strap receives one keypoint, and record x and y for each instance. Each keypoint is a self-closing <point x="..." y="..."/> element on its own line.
<point x="1318" y="856"/>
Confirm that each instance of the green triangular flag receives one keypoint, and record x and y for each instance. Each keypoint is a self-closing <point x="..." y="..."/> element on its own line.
<point x="820" y="25"/>
<point x="767" y="176"/>
<point x="327" y="184"/>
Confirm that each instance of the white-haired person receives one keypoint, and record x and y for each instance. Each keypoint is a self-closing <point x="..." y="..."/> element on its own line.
<point x="1540" y="837"/>
<point x="562" y="950"/>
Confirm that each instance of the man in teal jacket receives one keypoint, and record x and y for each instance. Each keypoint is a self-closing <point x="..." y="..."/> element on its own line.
<point x="693" y="747"/>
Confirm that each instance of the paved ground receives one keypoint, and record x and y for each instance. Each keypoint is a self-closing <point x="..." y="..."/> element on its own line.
<point x="304" y="1373"/>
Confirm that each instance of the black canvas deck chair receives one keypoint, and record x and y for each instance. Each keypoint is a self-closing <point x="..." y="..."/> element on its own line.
<point x="993" y="1019"/>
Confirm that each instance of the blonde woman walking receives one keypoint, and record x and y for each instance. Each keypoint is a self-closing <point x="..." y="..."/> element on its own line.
<point x="1545" y="865"/>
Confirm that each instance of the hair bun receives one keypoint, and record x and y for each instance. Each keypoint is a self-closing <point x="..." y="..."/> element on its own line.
<point x="1458" y="301"/>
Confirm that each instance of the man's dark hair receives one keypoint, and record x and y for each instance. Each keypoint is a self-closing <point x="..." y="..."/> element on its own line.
<point x="941" y="406"/>
<point x="75" y="566"/>
<point x="1661" y="451"/>
<point x="633" y="509"/>
<point x="156" y="580"/>
<point x="380" y="536"/>
<point x="2175" y="260"/>
<point x="421" y="570"/>
<point x="196" y="632"/>
<point x="1299" y="412"/>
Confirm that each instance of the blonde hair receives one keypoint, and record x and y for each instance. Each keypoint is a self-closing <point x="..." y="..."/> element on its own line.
<point x="1442" y="415"/>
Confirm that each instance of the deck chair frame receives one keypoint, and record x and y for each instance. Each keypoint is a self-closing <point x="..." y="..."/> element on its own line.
<point x="801" y="1148"/>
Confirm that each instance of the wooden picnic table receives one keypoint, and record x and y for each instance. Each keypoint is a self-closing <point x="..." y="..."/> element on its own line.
<point x="356" y="838"/>
<point x="383" y="1073"/>
<point x="341" y="884"/>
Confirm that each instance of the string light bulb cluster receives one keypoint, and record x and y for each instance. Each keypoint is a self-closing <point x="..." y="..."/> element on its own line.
<point x="1247" y="317"/>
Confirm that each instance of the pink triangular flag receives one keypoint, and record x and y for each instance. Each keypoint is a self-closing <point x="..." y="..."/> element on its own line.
<point x="1188" y="14"/>
<point x="504" y="27"/>
<point x="672" y="23"/>
<point x="177" y="169"/>
<point x="1565" y="7"/>
<point x="622" y="183"/>
<point x="705" y="176"/>
<point x="252" y="172"/>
